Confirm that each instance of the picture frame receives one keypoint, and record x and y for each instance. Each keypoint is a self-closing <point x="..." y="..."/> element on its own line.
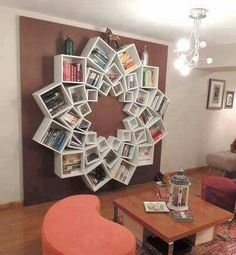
<point x="229" y="99"/>
<point x="215" y="94"/>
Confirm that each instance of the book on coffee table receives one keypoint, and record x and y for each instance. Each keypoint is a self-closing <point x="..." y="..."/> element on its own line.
<point x="185" y="216"/>
<point x="155" y="206"/>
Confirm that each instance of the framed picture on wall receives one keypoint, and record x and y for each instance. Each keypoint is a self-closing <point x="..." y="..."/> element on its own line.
<point x="215" y="94"/>
<point x="229" y="99"/>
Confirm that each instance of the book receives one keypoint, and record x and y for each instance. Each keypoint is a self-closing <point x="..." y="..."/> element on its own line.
<point x="185" y="216"/>
<point x="155" y="207"/>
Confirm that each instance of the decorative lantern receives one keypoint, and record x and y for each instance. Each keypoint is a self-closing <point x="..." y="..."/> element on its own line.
<point x="179" y="191"/>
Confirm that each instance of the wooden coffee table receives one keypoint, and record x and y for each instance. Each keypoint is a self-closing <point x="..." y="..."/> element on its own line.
<point x="161" y="225"/>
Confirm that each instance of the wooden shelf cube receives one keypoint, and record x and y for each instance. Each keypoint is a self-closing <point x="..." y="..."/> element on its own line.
<point x="71" y="118"/>
<point x="124" y="135"/>
<point x="78" y="94"/>
<point x="94" y="78"/>
<point x="145" y="154"/>
<point x="77" y="140"/>
<point x="84" y="109"/>
<point x="157" y="129"/>
<point x="150" y="77"/>
<point x="113" y="74"/>
<point x="130" y="123"/>
<point x="92" y="95"/>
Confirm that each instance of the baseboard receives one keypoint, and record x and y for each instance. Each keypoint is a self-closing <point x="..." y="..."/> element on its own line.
<point x="11" y="205"/>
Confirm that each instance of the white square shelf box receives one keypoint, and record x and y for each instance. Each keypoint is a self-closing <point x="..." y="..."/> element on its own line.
<point x="131" y="109"/>
<point x="124" y="135"/>
<point x="150" y="77"/>
<point x="116" y="89"/>
<point x="104" y="88"/>
<point x="92" y="95"/>
<point x="110" y="158"/>
<point x="145" y="154"/>
<point x="71" y="118"/>
<point x="53" y="100"/>
<point x="127" y="150"/>
<point x="90" y="178"/>
<point x="130" y="123"/>
<point x="144" y="116"/>
<point x="123" y="171"/>
<point x="113" y="74"/>
<point x="102" y="144"/>
<point x="94" y="78"/>
<point x="91" y="138"/>
<point x="84" y="125"/>
<point x="156" y="129"/>
<point x="156" y="100"/>
<point x="52" y="135"/>
<point x="163" y="106"/>
<point x="77" y="140"/>
<point x="84" y="109"/>
<point x="140" y="135"/>
<point x="131" y="81"/>
<point x="142" y="97"/>
<point x="78" y="94"/>
<point x="92" y="155"/>
<point x="99" y="54"/>
<point x="129" y="59"/>
<point x="69" y="69"/>
<point x="69" y="163"/>
<point x="114" y="142"/>
<point x="127" y="97"/>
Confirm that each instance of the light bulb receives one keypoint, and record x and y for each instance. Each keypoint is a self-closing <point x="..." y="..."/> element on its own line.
<point x="209" y="61"/>
<point x="185" y="70"/>
<point x="183" y="45"/>
<point x="179" y="63"/>
<point x="202" y="44"/>
<point x="195" y="58"/>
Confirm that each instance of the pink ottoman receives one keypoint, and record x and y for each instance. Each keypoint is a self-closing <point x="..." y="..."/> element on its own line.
<point x="73" y="226"/>
<point x="219" y="191"/>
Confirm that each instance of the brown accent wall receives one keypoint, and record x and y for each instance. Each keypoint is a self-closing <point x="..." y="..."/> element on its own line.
<point x="39" y="42"/>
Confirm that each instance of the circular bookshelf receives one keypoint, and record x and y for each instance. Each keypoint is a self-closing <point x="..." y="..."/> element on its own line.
<point x="79" y="80"/>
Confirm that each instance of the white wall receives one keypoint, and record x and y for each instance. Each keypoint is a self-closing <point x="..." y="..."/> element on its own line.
<point x="193" y="131"/>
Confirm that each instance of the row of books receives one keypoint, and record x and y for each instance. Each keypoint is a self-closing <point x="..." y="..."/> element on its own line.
<point x="126" y="150"/>
<point x="72" y="71"/>
<point x="156" y="132"/>
<point x="122" y="173"/>
<point x="93" y="79"/>
<point x="148" y="78"/>
<point x="55" y="138"/>
<point x="163" y="106"/>
<point x="71" y="163"/>
<point x="54" y="100"/>
<point x="99" y="57"/>
<point x="97" y="175"/>
<point x="127" y="61"/>
<point x="130" y="82"/>
<point x="110" y="157"/>
<point x="145" y="117"/>
<point x="71" y="118"/>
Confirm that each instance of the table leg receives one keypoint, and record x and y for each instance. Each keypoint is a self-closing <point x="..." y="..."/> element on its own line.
<point x="115" y="214"/>
<point x="170" y="248"/>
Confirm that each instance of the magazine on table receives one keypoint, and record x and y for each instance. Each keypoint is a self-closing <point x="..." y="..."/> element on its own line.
<point x="156" y="206"/>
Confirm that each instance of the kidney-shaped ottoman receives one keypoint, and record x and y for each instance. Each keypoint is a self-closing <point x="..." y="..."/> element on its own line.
<point x="74" y="226"/>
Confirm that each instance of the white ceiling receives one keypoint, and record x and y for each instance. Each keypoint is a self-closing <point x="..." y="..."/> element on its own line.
<point x="165" y="20"/>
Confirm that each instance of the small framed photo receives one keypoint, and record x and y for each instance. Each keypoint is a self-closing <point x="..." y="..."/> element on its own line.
<point x="215" y="94"/>
<point x="229" y="99"/>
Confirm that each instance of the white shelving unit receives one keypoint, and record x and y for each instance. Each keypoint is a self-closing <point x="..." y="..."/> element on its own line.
<point x="45" y="98"/>
<point x="79" y="80"/>
<point x="145" y="154"/>
<point x="78" y="94"/>
<point x="52" y="135"/>
<point x="150" y="77"/>
<point x="94" y="47"/>
<point x="129" y="59"/>
<point x="69" y="163"/>
<point x="69" y="69"/>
